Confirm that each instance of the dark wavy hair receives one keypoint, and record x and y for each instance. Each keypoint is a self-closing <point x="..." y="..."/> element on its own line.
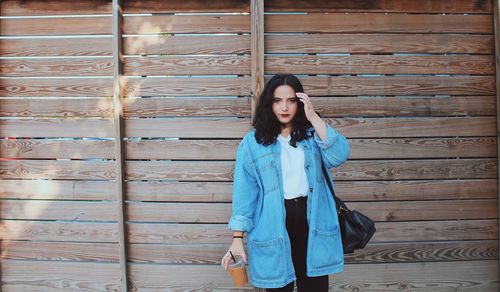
<point x="266" y="124"/>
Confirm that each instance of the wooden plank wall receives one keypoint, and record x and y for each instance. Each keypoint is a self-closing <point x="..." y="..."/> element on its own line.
<point x="410" y="83"/>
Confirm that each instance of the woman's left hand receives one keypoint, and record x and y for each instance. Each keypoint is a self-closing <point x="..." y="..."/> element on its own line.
<point x="308" y="107"/>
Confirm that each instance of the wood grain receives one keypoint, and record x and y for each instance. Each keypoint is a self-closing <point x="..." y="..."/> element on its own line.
<point x="377" y="211"/>
<point x="173" y="65"/>
<point x="186" y="45"/>
<point x="11" y="7"/>
<point x="374" y="43"/>
<point x="32" y="47"/>
<point x="430" y="6"/>
<point x="381" y="64"/>
<point x="222" y="191"/>
<point x="57" y="210"/>
<point x="186" y="86"/>
<point x="186" y="24"/>
<point x="58" y="189"/>
<point x="26" y="87"/>
<point x="59" y="231"/>
<point x="56" y="67"/>
<point x="379" y="22"/>
<point x="196" y="254"/>
<point x="212" y="107"/>
<point x="59" y="251"/>
<point x="401" y="148"/>
<point x="87" y="25"/>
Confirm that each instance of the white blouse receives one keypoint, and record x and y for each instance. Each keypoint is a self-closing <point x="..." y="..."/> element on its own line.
<point x="292" y="166"/>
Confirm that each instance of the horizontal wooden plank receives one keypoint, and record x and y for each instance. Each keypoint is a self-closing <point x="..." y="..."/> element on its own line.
<point x="222" y="191"/>
<point x="188" y="65"/>
<point x="439" y="277"/>
<point x="56" y="107"/>
<point x="342" y="86"/>
<point x="430" y="6"/>
<point x="351" y="170"/>
<point x="59" y="231"/>
<point x="378" y="22"/>
<point x="57" y="210"/>
<point x="380" y="64"/>
<point x="56" y="67"/>
<point x="65" y="128"/>
<point x="195" y="254"/>
<point x="132" y="107"/>
<point x="422" y="148"/>
<point x="87" y="25"/>
<point x="186" y="45"/>
<point x="59" y="251"/>
<point x="188" y="107"/>
<point x="404" y="106"/>
<point x="401" y="148"/>
<point x="186" y="86"/>
<point x="65" y="149"/>
<point x="399" y="85"/>
<point x="49" y="47"/>
<point x="53" y="7"/>
<point x="416" y="169"/>
<point x="63" y="87"/>
<point x="413" y="127"/>
<point x="11" y="7"/>
<point x="416" y="190"/>
<point x="486" y="229"/>
<point x="377" y="211"/>
<point x="59" y="276"/>
<point x="57" y="169"/>
<point x="188" y="128"/>
<point x="386" y="231"/>
<point x="350" y="127"/>
<point x="58" y="189"/>
<point x="379" y="43"/>
<point x="186" y="24"/>
<point x="469" y="275"/>
<point x="237" y="128"/>
<point x="240" y="107"/>
<point x="425" y="252"/>
<point x="226" y="149"/>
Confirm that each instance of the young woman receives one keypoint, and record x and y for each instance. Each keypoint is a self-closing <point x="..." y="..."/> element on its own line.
<point x="280" y="195"/>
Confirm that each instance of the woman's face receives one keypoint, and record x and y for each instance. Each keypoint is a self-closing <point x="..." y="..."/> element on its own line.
<point x="285" y="104"/>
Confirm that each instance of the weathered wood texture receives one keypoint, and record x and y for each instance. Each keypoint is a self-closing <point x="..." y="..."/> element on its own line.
<point x="410" y="83"/>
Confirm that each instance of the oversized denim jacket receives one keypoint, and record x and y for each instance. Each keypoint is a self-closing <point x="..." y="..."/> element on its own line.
<point x="258" y="209"/>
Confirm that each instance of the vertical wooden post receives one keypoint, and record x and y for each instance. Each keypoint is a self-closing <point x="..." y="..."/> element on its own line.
<point x="119" y="149"/>
<point x="257" y="50"/>
<point x="496" y="25"/>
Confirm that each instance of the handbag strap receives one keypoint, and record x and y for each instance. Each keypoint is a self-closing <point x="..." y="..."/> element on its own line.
<point x="338" y="202"/>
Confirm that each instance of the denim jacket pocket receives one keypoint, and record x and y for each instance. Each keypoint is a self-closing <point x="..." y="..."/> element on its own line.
<point x="326" y="247"/>
<point x="268" y="173"/>
<point x="267" y="259"/>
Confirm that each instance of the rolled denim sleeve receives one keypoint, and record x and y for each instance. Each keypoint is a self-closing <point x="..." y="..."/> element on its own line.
<point x="334" y="149"/>
<point x="245" y="191"/>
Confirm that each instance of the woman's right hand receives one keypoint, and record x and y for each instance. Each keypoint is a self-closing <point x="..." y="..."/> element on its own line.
<point x="236" y="248"/>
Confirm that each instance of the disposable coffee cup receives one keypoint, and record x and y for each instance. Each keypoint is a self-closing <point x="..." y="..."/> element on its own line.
<point x="238" y="271"/>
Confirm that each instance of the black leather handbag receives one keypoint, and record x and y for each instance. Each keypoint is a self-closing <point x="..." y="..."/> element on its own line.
<point x="355" y="228"/>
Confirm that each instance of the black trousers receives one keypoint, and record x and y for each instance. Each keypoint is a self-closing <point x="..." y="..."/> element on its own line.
<point x="298" y="230"/>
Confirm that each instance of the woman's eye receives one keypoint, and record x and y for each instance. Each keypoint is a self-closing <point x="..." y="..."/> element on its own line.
<point x="276" y="100"/>
<point x="293" y="100"/>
